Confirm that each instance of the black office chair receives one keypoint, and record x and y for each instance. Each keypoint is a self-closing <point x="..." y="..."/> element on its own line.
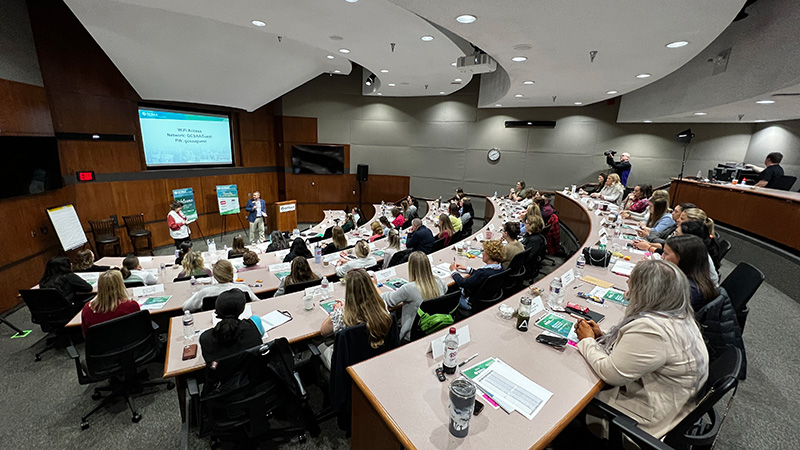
<point x="697" y="430"/>
<point x="536" y="254"/>
<point x="374" y="268"/>
<point x="177" y="279"/>
<point x="133" y="284"/>
<point x="741" y="284"/>
<point x="724" y="248"/>
<point x="314" y="239"/>
<point x="244" y="394"/>
<point x="400" y="257"/>
<point x="406" y="224"/>
<point x="446" y="304"/>
<point x="516" y="272"/>
<point x="490" y="293"/>
<point x="438" y="244"/>
<point x="717" y="320"/>
<point x="546" y="258"/>
<point x="51" y="311"/>
<point x="328" y="233"/>
<point x="297" y="287"/>
<point x="210" y="303"/>
<point x="115" y="350"/>
<point x="457" y="237"/>
<point x="785" y="183"/>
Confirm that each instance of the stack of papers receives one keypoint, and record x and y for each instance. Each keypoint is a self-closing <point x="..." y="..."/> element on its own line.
<point x="441" y="270"/>
<point x="609" y="294"/>
<point x="509" y="388"/>
<point x="623" y="268"/>
<point x="395" y="283"/>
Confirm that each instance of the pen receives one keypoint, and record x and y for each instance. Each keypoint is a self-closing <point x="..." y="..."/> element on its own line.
<point x="467" y="360"/>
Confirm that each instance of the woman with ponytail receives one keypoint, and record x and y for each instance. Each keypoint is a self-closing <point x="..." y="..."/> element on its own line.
<point x="230" y="335"/>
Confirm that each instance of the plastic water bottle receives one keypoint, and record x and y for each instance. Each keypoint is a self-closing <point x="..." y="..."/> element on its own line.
<point x="580" y="264"/>
<point x="212" y="246"/>
<point x="193" y="283"/>
<point x="177" y="253"/>
<point x="163" y="270"/>
<point x="700" y="174"/>
<point x="188" y="326"/>
<point x="317" y="254"/>
<point x="495" y="194"/>
<point x="383" y="208"/>
<point x="556" y="295"/>
<point x="324" y="286"/>
<point x="450" y="351"/>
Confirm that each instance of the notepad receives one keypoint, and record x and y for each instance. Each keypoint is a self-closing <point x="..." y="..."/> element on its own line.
<point x="274" y="319"/>
<point x="623" y="268"/>
<point x="155" y="302"/>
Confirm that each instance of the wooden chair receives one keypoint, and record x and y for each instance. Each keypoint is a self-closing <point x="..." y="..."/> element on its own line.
<point x="105" y="235"/>
<point x="138" y="233"/>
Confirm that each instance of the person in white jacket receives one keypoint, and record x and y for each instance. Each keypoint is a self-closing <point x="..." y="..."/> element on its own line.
<point x="362" y="261"/>
<point x="223" y="275"/>
<point x="178" y="224"/>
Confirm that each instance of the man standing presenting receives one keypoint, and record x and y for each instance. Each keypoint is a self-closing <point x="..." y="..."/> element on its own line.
<point x="257" y="209"/>
<point x="621" y="168"/>
<point x="768" y="177"/>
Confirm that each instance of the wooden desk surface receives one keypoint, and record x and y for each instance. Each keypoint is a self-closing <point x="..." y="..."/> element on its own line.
<point x="402" y="387"/>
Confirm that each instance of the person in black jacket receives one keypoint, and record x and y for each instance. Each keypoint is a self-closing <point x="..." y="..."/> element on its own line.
<point x="621" y="168"/>
<point x="298" y="248"/>
<point x="58" y="275"/>
<point x="419" y="237"/>
<point x="493" y="254"/>
<point x="230" y="335"/>
<point x="720" y="328"/>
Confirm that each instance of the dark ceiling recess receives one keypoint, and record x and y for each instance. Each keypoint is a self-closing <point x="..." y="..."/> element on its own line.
<point x="530" y="123"/>
<point x="743" y="14"/>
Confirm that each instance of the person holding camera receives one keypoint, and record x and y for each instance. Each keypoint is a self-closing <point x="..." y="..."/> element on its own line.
<point x="621" y="168"/>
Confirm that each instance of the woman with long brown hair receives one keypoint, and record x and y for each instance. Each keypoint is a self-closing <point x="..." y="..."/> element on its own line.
<point x="110" y="302"/>
<point x="339" y="241"/>
<point x="301" y="272"/>
<point x="238" y="247"/>
<point x="446" y="230"/>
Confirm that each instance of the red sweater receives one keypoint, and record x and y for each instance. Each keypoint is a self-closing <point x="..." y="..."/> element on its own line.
<point x="89" y="317"/>
<point x="399" y="221"/>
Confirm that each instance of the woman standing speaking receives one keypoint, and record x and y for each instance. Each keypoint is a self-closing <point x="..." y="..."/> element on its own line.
<point x="178" y="224"/>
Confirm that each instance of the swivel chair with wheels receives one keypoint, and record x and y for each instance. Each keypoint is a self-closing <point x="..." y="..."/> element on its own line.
<point x="50" y="310"/>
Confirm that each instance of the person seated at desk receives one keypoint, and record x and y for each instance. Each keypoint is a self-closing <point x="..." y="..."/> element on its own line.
<point x="686" y="215"/>
<point x="532" y="210"/>
<point x="446" y="230"/>
<point x="193" y="265"/>
<point x="768" y="176"/>
<point x="377" y="231"/>
<point x="689" y="254"/>
<point x="612" y="191"/>
<point x="659" y="218"/>
<point x="459" y="195"/>
<point x="300" y="273"/>
<point x="392" y="248"/>
<point x="493" y="254"/>
<point x="654" y="360"/>
<point x="455" y="219"/>
<point x="349" y="223"/>
<point x="111" y="301"/>
<point x="423" y="285"/>
<point x="397" y="217"/>
<point x="238" y="247"/>
<point x="637" y="200"/>
<point x="601" y="183"/>
<point x="385" y="224"/>
<point x="533" y="240"/>
<point x="661" y="236"/>
<point x="467" y="214"/>
<point x="132" y="271"/>
<point x="230" y="335"/>
<point x="412" y="211"/>
<point x="277" y="241"/>
<point x="513" y="246"/>
<point x="516" y="193"/>
<point x="183" y="250"/>
<point x="529" y="194"/>
<point x="363" y="259"/>
<point x="419" y="237"/>
<point x="362" y="304"/>
<point x="223" y="274"/>
<point x="58" y="275"/>
<point x="298" y="248"/>
<point x="250" y="261"/>
<point x="713" y="251"/>
<point x="84" y="262"/>
<point x="357" y="216"/>
<point x="644" y="216"/>
<point x="339" y="242"/>
<point x="546" y="209"/>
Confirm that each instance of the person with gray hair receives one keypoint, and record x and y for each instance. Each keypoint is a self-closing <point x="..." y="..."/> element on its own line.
<point x="655" y="358"/>
<point x="419" y="238"/>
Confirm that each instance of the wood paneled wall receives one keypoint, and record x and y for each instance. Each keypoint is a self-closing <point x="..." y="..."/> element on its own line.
<point x="25" y="111"/>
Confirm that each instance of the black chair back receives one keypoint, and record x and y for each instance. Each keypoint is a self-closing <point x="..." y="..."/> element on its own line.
<point x="438" y="244"/>
<point x="297" y="287"/>
<point x="490" y="292"/>
<point x="133" y="284"/>
<point x="399" y="257"/>
<point x="209" y="303"/>
<point x="135" y="226"/>
<point x="48" y="308"/>
<point x="177" y="279"/>
<point x="741" y="284"/>
<point x="406" y="224"/>
<point x="446" y="304"/>
<point x="120" y="345"/>
<point x="724" y="248"/>
<point x="517" y="263"/>
<point x="785" y="183"/>
<point x="457" y="237"/>
<point x="328" y="233"/>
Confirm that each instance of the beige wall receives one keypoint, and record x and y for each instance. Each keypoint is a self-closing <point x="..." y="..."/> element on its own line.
<point x="18" y="61"/>
<point x="781" y="137"/>
<point x="441" y="142"/>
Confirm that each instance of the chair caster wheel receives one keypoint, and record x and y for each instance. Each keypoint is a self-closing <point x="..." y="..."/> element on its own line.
<point x="136" y="418"/>
<point x="170" y="386"/>
<point x="84" y="426"/>
<point x="303" y="438"/>
<point x="97" y="396"/>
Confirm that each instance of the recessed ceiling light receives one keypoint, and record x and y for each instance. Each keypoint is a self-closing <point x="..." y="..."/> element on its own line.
<point x="95" y="136"/>
<point x="380" y="93"/>
<point x="677" y="44"/>
<point x="519" y="96"/>
<point x="466" y="18"/>
<point x="701" y="114"/>
<point x="351" y="1"/>
<point x="527" y="82"/>
<point x="392" y="85"/>
<point x="647" y="121"/>
<point x="441" y="92"/>
<point x="427" y="38"/>
<point x="612" y="92"/>
<point x="760" y="121"/>
<point x="458" y="80"/>
<point x="337" y="71"/>
<point x="258" y="23"/>
<point x="497" y="104"/>
<point x="453" y="64"/>
<point x="330" y="56"/>
<point x="344" y="50"/>
<point x="519" y="58"/>
<point x="643" y="75"/>
<point x="578" y="103"/>
<point x="765" y="102"/>
<point x="384" y="70"/>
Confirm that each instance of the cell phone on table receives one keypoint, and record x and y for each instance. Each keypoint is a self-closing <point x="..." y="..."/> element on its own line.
<point x="478" y="408"/>
<point x="552" y="341"/>
<point x="190" y="352"/>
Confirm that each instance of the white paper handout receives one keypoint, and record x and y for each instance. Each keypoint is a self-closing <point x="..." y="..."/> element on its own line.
<point x="437" y="345"/>
<point x="280" y="254"/>
<point x="148" y="290"/>
<point x="280" y="267"/>
<point x="623" y="268"/>
<point x="385" y="274"/>
<point x="274" y="319"/>
<point x="504" y="383"/>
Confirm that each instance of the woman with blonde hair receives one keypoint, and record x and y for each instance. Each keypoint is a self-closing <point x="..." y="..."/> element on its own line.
<point x="446" y="230"/>
<point x="300" y="273"/>
<point x="377" y="231"/>
<point x="223" y="275"/>
<point x="613" y="190"/>
<point x="655" y="359"/>
<point x="532" y="239"/>
<point x="110" y="302"/>
<point x="394" y="247"/>
<point x="697" y="215"/>
<point x="193" y="265"/>
<point x="339" y="241"/>
<point x="362" y="304"/>
<point x="363" y="259"/>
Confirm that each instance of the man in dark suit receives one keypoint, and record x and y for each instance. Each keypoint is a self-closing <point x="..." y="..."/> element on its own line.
<point x="257" y="209"/>
<point x="419" y="237"/>
<point x="494" y="253"/>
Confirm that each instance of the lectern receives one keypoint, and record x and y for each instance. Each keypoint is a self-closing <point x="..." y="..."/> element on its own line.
<point x="283" y="216"/>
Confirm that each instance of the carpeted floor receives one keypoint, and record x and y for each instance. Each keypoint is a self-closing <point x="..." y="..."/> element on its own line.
<point x="42" y="402"/>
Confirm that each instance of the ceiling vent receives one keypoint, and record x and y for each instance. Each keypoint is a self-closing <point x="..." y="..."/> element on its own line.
<point x="477" y="63"/>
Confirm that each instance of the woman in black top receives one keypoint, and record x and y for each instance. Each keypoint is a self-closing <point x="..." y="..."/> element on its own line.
<point x="277" y="242"/>
<point x="185" y="247"/>
<point x="238" y="247"/>
<point x="467" y="215"/>
<point x="58" y="275"/>
<point x="299" y="248"/>
<point x="231" y="335"/>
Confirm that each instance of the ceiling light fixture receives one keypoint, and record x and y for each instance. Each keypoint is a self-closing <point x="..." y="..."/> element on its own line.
<point x="497" y="104"/>
<point x="258" y="23"/>
<point x="441" y="92"/>
<point x="760" y="121"/>
<point x="330" y="56"/>
<point x="344" y="50"/>
<point x="427" y="38"/>
<point x="453" y="64"/>
<point x="527" y="82"/>
<point x="351" y="1"/>
<point x="370" y="79"/>
<point x="392" y="85"/>
<point x="519" y="58"/>
<point x="380" y="93"/>
<point x="647" y="121"/>
<point x="765" y="102"/>
<point x="466" y="18"/>
<point x="643" y="75"/>
<point x="337" y="71"/>
<point x="458" y="80"/>
<point x="578" y="103"/>
<point x="612" y="92"/>
<point x="519" y="96"/>
<point x="677" y="44"/>
<point x="701" y="114"/>
<point x="384" y="70"/>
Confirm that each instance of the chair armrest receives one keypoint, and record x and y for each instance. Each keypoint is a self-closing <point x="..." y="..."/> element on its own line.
<point x="192" y="387"/>
<point x="154" y="325"/>
<point x="73" y="353"/>
<point x="313" y="348"/>
<point x="621" y="425"/>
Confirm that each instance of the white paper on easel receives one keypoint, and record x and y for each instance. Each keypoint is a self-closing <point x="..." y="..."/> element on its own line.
<point x="148" y="290"/>
<point x="437" y="345"/>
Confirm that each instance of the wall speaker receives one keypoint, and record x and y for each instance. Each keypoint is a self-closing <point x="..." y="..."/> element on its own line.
<point x="363" y="172"/>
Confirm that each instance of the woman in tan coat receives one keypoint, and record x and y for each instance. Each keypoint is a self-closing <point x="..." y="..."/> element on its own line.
<point x="655" y="358"/>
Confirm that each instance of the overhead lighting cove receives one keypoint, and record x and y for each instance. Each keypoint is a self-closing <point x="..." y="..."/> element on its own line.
<point x="643" y="75"/>
<point x="344" y="50"/>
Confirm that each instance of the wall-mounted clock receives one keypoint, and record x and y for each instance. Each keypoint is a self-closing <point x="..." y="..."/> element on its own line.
<point x="493" y="155"/>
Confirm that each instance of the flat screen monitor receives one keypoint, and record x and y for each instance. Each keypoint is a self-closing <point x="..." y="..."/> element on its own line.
<point x="32" y="165"/>
<point x="174" y="138"/>
<point x="319" y="159"/>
